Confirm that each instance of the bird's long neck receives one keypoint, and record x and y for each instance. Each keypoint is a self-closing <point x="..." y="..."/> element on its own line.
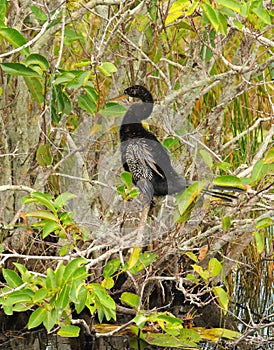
<point x="140" y="110"/>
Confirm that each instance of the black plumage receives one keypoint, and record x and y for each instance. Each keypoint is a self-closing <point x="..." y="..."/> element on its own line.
<point x="146" y="158"/>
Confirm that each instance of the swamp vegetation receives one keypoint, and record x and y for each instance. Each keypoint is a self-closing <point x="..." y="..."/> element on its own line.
<point x="69" y="214"/>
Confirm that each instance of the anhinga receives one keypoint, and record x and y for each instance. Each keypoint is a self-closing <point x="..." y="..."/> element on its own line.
<point x="147" y="159"/>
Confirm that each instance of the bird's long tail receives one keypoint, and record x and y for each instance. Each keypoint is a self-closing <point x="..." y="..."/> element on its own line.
<point x="220" y="191"/>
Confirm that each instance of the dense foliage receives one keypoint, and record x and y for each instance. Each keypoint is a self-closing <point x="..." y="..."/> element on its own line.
<point x="69" y="214"/>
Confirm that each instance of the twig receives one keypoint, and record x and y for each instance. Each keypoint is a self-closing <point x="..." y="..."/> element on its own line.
<point x="38" y="36"/>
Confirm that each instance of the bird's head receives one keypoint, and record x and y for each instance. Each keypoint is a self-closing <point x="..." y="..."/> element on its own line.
<point x="135" y="91"/>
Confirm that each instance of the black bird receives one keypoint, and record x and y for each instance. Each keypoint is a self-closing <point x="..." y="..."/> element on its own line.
<point x="147" y="159"/>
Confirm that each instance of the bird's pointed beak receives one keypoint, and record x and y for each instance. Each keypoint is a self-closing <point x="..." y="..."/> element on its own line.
<point x="117" y="98"/>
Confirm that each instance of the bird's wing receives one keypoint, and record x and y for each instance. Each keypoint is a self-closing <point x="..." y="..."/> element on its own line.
<point x="140" y="160"/>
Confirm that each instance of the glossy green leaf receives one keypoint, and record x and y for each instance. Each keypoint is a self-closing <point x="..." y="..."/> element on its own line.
<point x="126" y="177"/>
<point x="134" y="256"/>
<point x="215" y="334"/>
<point x="211" y="16"/>
<point x="38" y="13"/>
<point x="107" y="68"/>
<point x="43" y="214"/>
<point x="111" y="267"/>
<point x="191" y="277"/>
<point x="41" y="294"/>
<point x="72" y="268"/>
<point x="36" y="88"/>
<point x="263" y="15"/>
<point x="264" y="223"/>
<point x="43" y="155"/>
<point x="230" y="4"/>
<point x="51" y="280"/>
<point x="192" y="256"/>
<point x="229" y="181"/>
<point x="36" y="318"/>
<point x="130" y="299"/>
<point x="226" y="223"/>
<point x="222" y="297"/>
<point x="69" y="331"/>
<point x="214" y="267"/>
<point x="108" y="283"/>
<point x="18" y="297"/>
<point x="62" y="298"/>
<point x="201" y="272"/>
<point x="15" y="38"/>
<point x="63" y="200"/>
<point x="112" y="109"/>
<point x="40" y="198"/>
<point x="12" y="278"/>
<point x="49" y="227"/>
<point x="18" y="69"/>
<point x="269" y="157"/>
<point x="39" y="60"/>
<point x="87" y="103"/>
<point x="260" y="241"/>
<point x="186" y="198"/>
<point x="80" y="80"/>
<point x="51" y="319"/>
<point x="145" y="259"/>
<point x="207" y="158"/>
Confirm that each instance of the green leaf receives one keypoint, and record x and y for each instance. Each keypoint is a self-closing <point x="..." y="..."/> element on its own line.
<point x="15" y="38"/>
<point x="111" y="267"/>
<point x="41" y="198"/>
<point x="264" y="223"/>
<point x="260" y="241"/>
<point x="130" y="299"/>
<point x="87" y="103"/>
<point x="51" y="280"/>
<point x="38" y="60"/>
<point x="62" y="298"/>
<point x="107" y="68"/>
<point x="43" y="155"/>
<point x="269" y="158"/>
<point x="214" y="267"/>
<point x="36" y="318"/>
<point x="38" y="13"/>
<point x="258" y="172"/>
<point x="18" y="69"/>
<point x="72" y="268"/>
<point x="207" y="158"/>
<point x="230" y="4"/>
<point x="262" y="14"/>
<point x="126" y="177"/>
<point x="40" y="295"/>
<point x="191" y="277"/>
<point x="36" y="88"/>
<point x="186" y="198"/>
<point x="108" y="283"/>
<point x="112" y="109"/>
<point x="12" y="278"/>
<point x="63" y="200"/>
<point x="223" y="166"/>
<point x="211" y="16"/>
<point x="50" y="227"/>
<point x="51" y="319"/>
<point x="222" y="297"/>
<point x="18" y="297"/>
<point x="176" y="10"/>
<point x="144" y="260"/>
<point x="134" y="256"/>
<point x="201" y="272"/>
<point x="43" y="214"/>
<point x="192" y="256"/>
<point x="80" y="80"/>
<point x="69" y="331"/>
<point x="229" y="181"/>
<point x="226" y="223"/>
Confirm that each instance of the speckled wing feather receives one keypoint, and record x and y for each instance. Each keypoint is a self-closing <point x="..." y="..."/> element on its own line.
<point x="140" y="160"/>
